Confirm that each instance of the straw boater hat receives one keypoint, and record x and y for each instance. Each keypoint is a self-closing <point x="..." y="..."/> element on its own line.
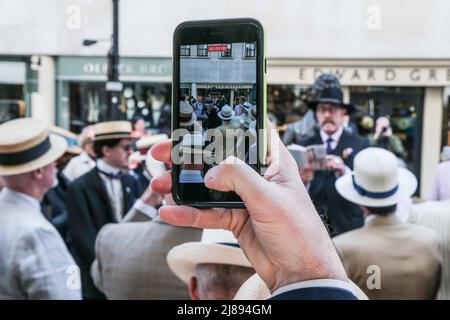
<point x="143" y="145"/>
<point x="112" y="130"/>
<point x="226" y="113"/>
<point x="71" y="139"/>
<point x="216" y="246"/>
<point x="187" y="114"/>
<point x="26" y="145"/>
<point x="377" y="180"/>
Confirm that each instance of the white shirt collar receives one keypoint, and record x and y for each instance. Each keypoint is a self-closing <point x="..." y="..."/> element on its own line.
<point x="335" y="136"/>
<point x="22" y="197"/>
<point x="103" y="166"/>
<point x="85" y="157"/>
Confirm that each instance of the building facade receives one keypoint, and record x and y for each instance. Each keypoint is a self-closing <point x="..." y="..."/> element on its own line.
<point x="391" y="58"/>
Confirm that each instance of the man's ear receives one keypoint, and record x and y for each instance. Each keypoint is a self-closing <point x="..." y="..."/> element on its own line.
<point x="105" y="151"/>
<point x="37" y="174"/>
<point x="193" y="289"/>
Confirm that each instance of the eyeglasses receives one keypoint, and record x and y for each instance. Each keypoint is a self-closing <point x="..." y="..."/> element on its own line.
<point x="126" y="147"/>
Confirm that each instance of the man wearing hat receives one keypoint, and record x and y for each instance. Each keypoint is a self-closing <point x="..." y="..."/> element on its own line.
<point x="34" y="261"/>
<point x="214" y="268"/>
<point x="54" y="202"/>
<point x="103" y="195"/>
<point x="226" y="144"/>
<point x="85" y="161"/>
<point x="188" y="118"/>
<point x="341" y="147"/>
<point x="387" y="258"/>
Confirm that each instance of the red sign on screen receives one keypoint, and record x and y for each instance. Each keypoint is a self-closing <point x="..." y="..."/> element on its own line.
<point x="217" y="48"/>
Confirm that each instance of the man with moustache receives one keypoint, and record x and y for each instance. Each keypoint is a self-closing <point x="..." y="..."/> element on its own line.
<point x="341" y="147"/>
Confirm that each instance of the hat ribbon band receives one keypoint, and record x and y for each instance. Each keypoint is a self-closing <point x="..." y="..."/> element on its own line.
<point x="112" y="133"/>
<point x="16" y="158"/>
<point x="373" y="195"/>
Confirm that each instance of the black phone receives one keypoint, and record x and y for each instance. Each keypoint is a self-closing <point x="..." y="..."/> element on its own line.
<point x="219" y="105"/>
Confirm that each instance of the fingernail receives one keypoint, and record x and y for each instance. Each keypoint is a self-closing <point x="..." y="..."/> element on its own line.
<point x="210" y="174"/>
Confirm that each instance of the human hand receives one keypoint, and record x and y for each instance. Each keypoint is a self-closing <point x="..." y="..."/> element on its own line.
<point x="280" y="231"/>
<point x="151" y="197"/>
<point x="336" y="164"/>
<point x="306" y="174"/>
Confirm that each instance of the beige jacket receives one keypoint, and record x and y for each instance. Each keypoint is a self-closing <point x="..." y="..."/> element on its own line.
<point x="404" y="258"/>
<point x="131" y="259"/>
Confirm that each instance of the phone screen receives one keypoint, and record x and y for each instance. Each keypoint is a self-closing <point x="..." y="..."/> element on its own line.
<point x="217" y="108"/>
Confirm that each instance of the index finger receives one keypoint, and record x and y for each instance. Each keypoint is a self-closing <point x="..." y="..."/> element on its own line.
<point x="162" y="150"/>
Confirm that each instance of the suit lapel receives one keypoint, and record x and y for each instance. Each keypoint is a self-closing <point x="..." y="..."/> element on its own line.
<point x="342" y="143"/>
<point x="128" y="192"/>
<point x="100" y="191"/>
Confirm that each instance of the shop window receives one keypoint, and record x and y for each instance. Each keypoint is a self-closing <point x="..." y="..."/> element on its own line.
<point x="202" y="50"/>
<point x="249" y="50"/>
<point x="185" y="51"/>
<point x="227" y="53"/>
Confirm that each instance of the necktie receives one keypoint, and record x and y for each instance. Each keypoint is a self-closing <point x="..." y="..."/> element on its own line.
<point x="329" y="149"/>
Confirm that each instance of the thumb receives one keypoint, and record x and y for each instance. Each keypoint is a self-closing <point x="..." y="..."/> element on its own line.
<point x="235" y="175"/>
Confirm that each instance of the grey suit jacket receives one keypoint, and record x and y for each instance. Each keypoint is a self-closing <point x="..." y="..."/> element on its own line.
<point x="407" y="257"/>
<point x="436" y="215"/>
<point x="131" y="259"/>
<point x="34" y="261"/>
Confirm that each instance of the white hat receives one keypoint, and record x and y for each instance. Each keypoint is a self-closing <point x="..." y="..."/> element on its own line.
<point x="226" y="113"/>
<point x="216" y="246"/>
<point x="377" y="180"/>
<point x="26" y="145"/>
<point x="187" y="114"/>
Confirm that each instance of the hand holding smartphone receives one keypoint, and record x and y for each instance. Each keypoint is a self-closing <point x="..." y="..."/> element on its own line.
<point x="218" y="71"/>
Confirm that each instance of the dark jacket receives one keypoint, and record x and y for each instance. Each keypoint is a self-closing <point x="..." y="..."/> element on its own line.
<point x="54" y="206"/>
<point x="89" y="210"/>
<point x="340" y="214"/>
<point x="316" y="293"/>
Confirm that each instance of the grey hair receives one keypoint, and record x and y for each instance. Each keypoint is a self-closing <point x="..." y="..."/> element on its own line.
<point x="83" y="138"/>
<point x="226" y="277"/>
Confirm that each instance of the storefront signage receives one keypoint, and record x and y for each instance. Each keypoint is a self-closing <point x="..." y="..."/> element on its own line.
<point x="94" y="68"/>
<point x="366" y="76"/>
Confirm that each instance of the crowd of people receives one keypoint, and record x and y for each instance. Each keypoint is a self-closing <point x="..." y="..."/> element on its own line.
<point x="91" y="217"/>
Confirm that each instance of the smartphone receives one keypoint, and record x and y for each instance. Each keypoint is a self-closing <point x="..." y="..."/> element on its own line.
<point x="219" y="105"/>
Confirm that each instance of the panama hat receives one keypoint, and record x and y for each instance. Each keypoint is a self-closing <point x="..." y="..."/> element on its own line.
<point x="70" y="137"/>
<point x="26" y="145"/>
<point x="148" y="141"/>
<point x="244" y="121"/>
<point x="110" y="130"/>
<point x="187" y="114"/>
<point x="377" y="180"/>
<point x="256" y="289"/>
<point x="226" y="113"/>
<point x="216" y="246"/>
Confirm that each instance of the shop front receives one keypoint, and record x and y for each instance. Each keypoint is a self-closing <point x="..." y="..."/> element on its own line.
<point x="413" y="94"/>
<point x="12" y="90"/>
<point x="81" y="96"/>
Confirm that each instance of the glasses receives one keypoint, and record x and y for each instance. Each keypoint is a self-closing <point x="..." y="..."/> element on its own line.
<point x="126" y="147"/>
<point x="331" y="110"/>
